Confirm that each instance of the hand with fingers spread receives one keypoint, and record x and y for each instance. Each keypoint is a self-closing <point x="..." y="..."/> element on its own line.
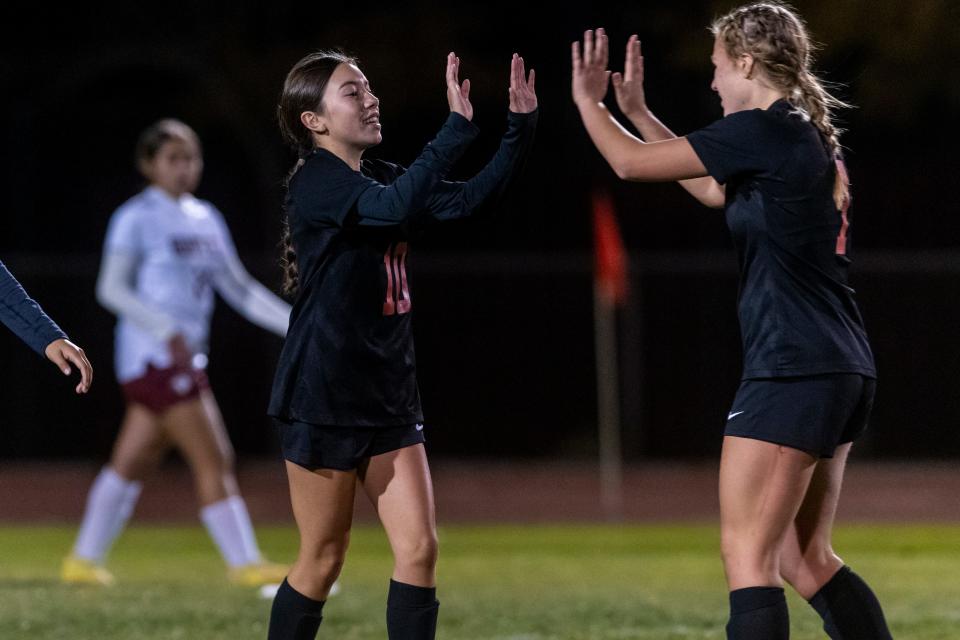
<point x="628" y="87"/>
<point x="523" y="97"/>
<point x="590" y="74"/>
<point x="62" y="353"/>
<point x="458" y="94"/>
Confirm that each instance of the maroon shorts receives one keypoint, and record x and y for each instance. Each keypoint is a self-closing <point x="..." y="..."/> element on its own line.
<point x="160" y="389"/>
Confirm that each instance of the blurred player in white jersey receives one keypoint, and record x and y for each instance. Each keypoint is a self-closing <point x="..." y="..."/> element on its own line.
<point x="165" y="254"/>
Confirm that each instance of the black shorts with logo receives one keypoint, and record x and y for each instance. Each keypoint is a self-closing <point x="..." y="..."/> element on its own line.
<point x="315" y="446"/>
<point x="815" y="414"/>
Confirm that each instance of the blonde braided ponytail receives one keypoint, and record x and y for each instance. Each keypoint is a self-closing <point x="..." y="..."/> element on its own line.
<point x="777" y="40"/>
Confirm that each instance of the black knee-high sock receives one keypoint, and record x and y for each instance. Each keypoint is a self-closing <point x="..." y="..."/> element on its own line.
<point x="849" y="609"/>
<point x="411" y="612"/>
<point x="294" y="616"/>
<point x="758" y="613"/>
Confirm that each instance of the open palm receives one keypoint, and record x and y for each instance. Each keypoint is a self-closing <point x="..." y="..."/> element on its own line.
<point x="523" y="96"/>
<point x="628" y="87"/>
<point x="590" y="75"/>
<point x="458" y="94"/>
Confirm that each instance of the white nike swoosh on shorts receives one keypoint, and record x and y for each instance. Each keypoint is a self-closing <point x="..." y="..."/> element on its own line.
<point x="731" y="416"/>
<point x="419" y="427"/>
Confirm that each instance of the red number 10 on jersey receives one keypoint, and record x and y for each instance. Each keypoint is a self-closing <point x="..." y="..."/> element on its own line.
<point x="398" y="295"/>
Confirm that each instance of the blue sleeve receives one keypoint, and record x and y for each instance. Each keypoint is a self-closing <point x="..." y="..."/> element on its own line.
<point x="330" y="192"/>
<point x="23" y="316"/>
<point x="734" y="146"/>
<point x="456" y="199"/>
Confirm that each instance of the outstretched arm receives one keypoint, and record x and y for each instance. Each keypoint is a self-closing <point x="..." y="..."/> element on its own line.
<point x="631" y="98"/>
<point x="456" y="199"/>
<point x="628" y="156"/>
<point x="22" y="315"/>
<point x="378" y="204"/>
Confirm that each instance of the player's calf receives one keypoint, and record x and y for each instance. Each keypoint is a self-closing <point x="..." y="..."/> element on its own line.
<point x="849" y="608"/>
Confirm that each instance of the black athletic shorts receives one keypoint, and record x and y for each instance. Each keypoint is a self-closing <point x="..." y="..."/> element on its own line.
<point x="315" y="446"/>
<point x="811" y="413"/>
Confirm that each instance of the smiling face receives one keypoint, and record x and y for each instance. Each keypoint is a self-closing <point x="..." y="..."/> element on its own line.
<point x="730" y="78"/>
<point x="350" y="112"/>
<point x="175" y="167"/>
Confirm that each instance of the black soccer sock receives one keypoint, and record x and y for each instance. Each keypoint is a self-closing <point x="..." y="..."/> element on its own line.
<point x="411" y="612"/>
<point x="758" y="613"/>
<point x="294" y="616"/>
<point x="849" y="609"/>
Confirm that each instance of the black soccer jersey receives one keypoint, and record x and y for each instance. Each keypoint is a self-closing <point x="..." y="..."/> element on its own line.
<point x="348" y="358"/>
<point x="797" y="311"/>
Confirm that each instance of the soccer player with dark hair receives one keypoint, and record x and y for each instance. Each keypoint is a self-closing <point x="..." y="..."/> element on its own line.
<point x="773" y="163"/>
<point x="345" y="395"/>
<point x="165" y="255"/>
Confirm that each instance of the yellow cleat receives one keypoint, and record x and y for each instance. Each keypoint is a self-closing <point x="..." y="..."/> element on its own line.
<point x="258" y="574"/>
<point x="81" y="571"/>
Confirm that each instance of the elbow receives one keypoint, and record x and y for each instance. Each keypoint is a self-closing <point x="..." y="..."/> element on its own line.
<point x="622" y="169"/>
<point x="714" y="198"/>
<point x="466" y="206"/>
<point x="103" y="295"/>
<point x="628" y="169"/>
<point x="109" y="295"/>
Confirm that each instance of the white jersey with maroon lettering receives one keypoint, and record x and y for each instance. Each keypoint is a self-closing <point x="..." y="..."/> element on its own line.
<point x="181" y="246"/>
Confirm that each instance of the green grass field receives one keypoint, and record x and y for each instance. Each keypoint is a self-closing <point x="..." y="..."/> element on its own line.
<point x="497" y="582"/>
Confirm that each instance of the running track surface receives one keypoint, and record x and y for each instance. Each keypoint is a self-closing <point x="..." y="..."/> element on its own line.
<point x="493" y="492"/>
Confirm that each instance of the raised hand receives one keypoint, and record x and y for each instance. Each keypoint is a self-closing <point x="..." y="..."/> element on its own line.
<point x="62" y="353"/>
<point x="458" y="95"/>
<point x="628" y="87"/>
<point x="590" y="75"/>
<point x="523" y="97"/>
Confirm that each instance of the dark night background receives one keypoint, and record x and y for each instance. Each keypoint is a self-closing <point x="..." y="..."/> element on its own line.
<point x="503" y="302"/>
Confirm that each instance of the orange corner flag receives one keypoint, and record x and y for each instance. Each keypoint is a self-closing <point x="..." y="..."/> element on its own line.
<point x="610" y="258"/>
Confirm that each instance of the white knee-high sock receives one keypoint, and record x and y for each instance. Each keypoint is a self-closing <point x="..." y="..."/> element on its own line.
<point x="109" y="507"/>
<point x="247" y="537"/>
<point x="228" y="523"/>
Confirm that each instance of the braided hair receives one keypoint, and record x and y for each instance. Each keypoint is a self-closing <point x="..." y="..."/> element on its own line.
<point x="777" y="40"/>
<point x="303" y="90"/>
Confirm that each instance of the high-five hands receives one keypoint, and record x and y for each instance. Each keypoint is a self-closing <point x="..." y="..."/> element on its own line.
<point x="628" y="86"/>
<point x="458" y="94"/>
<point x="590" y="74"/>
<point x="523" y="97"/>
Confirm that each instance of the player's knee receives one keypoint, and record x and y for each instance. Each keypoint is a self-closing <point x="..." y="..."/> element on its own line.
<point x="132" y="469"/>
<point x="323" y="562"/>
<point x="418" y="551"/>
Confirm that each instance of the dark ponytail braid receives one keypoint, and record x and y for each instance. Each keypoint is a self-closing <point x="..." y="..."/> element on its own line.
<point x="302" y="91"/>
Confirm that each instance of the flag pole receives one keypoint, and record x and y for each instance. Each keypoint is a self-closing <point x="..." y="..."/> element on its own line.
<point x="609" y="292"/>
